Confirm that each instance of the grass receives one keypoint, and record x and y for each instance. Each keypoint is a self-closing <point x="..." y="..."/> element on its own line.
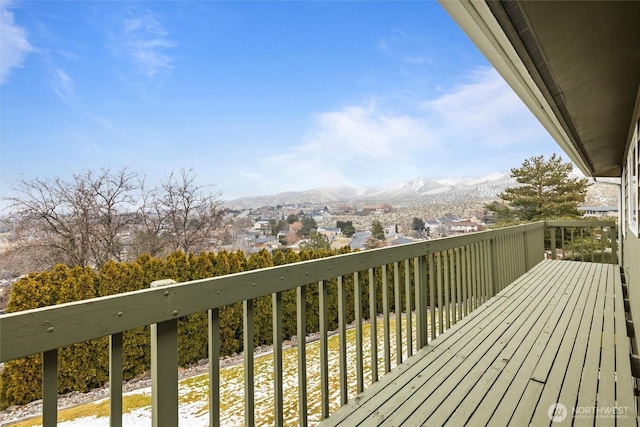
<point x="194" y="390"/>
<point x="98" y="409"/>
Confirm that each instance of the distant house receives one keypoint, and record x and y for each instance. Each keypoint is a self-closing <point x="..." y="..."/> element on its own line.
<point x="399" y="240"/>
<point x="376" y="209"/>
<point x="261" y="225"/>
<point x="463" y="226"/>
<point x="599" y="211"/>
<point x="359" y="240"/>
<point x="268" y="242"/>
<point x="330" y="232"/>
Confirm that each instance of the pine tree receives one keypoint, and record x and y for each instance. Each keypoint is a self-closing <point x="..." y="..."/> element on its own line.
<point x="377" y="230"/>
<point x="546" y="190"/>
<point x="316" y="241"/>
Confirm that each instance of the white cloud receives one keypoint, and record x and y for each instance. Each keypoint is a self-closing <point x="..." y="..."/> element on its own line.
<point x="474" y="129"/>
<point x="484" y="111"/>
<point x="350" y="146"/>
<point x="144" y="40"/>
<point x="13" y="40"/>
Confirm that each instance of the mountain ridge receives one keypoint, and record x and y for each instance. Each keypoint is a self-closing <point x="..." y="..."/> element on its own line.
<point x="412" y="192"/>
<point x="409" y="192"/>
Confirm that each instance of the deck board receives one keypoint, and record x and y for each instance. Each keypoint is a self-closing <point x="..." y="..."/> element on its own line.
<point x="557" y="334"/>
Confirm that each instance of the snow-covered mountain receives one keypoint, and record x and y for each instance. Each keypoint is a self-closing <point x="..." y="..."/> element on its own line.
<point x="410" y="192"/>
<point x="414" y="192"/>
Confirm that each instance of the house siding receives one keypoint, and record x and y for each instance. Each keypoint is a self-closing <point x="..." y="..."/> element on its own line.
<point x="631" y="267"/>
<point x="631" y="247"/>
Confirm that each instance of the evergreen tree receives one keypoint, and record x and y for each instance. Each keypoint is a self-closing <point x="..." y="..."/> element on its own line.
<point x="115" y="278"/>
<point x="193" y="336"/>
<point x="308" y="224"/>
<point x="546" y="190"/>
<point x="230" y="315"/>
<point x="316" y="241"/>
<point x="348" y="230"/>
<point x="81" y="366"/>
<point x="417" y="224"/>
<point x="279" y="258"/>
<point x="22" y="378"/>
<point x="377" y="231"/>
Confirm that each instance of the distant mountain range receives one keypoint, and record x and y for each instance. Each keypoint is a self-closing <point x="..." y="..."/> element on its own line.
<point x="414" y="192"/>
<point x="411" y="192"/>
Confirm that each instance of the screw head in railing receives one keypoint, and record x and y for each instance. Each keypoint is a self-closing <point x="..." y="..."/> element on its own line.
<point x="175" y="312"/>
<point x="119" y="314"/>
<point x="167" y="293"/>
<point x="50" y="329"/>
<point x="218" y="292"/>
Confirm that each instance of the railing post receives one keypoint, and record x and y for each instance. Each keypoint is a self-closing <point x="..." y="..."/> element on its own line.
<point x="164" y="369"/>
<point x="420" y="267"/>
<point x="552" y="238"/>
<point x="50" y="388"/>
<point x="115" y="380"/>
<point x="373" y="327"/>
<point x="323" y="296"/>
<point x="301" y="303"/>
<point x="525" y="244"/>
<point x="278" y="392"/>
<point x="493" y="266"/>
<point x="214" y="366"/>
<point x="248" y="348"/>
<point x="613" y="231"/>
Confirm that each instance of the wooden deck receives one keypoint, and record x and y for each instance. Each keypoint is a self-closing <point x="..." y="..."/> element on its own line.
<point x="555" y="336"/>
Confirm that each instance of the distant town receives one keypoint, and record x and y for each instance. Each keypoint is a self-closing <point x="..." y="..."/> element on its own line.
<point x="279" y="226"/>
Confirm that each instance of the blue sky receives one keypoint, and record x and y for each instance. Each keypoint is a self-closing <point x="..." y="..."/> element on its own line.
<point x="257" y="97"/>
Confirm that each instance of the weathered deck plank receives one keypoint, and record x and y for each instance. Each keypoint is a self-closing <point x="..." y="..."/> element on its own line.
<point x="496" y="406"/>
<point x="442" y="350"/>
<point x="557" y="335"/>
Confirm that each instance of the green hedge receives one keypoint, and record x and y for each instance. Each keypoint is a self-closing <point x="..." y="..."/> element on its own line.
<point x="84" y="366"/>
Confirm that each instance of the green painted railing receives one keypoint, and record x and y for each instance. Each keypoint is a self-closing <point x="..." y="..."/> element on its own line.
<point x="440" y="281"/>
<point x="591" y="241"/>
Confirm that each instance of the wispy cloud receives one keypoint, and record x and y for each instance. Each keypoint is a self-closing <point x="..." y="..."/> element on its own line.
<point x="63" y="85"/>
<point x="483" y="111"/>
<point x="13" y="40"/>
<point x="144" y="40"/>
<point x="349" y="146"/>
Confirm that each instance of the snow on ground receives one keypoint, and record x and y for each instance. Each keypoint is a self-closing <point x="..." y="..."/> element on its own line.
<point x="194" y="391"/>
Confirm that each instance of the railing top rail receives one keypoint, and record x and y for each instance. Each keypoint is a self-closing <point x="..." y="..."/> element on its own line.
<point x="38" y="330"/>
<point x="580" y="223"/>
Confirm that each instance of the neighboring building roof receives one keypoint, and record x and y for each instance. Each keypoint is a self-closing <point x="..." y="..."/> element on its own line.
<point x="463" y="224"/>
<point x="359" y="239"/>
<point x="599" y="208"/>
<point x="399" y="240"/>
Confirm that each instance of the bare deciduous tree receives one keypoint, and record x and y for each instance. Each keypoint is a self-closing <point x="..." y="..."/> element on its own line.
<point x="191" y="216"/>
<point x="104" y="215"/>
<point x="76" y="222"/>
